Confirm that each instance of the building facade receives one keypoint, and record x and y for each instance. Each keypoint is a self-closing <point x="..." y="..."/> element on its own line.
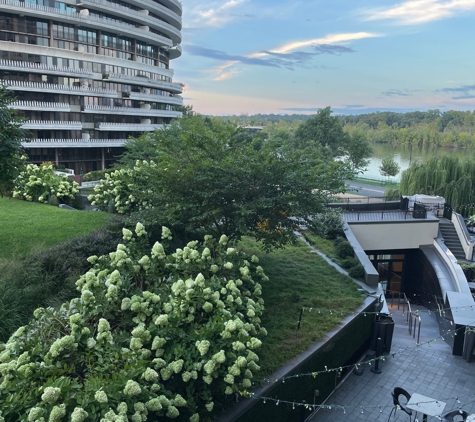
<point x="89" y="74"/>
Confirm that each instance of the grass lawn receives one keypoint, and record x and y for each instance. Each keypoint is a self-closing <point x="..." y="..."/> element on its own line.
<point x="27" y="227"/>
<point x="299" y="278"/>
<point x="375" y="182"/>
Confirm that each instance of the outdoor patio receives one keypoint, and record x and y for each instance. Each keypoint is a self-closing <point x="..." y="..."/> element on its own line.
<point x="429" y="369"/>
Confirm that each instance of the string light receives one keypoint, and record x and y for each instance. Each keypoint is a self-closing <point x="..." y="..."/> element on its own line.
<point x="369" y="362"/>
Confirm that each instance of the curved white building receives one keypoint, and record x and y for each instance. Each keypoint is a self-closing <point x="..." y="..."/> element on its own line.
<point x="88" y="74"/>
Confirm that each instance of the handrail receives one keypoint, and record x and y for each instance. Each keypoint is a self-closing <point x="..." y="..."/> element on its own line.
<point x="404" y="303"/>
<point x="57" y="87"/>
<point x="42" y="67"/>
<point x="40" y="104"/>
<point x="412" y="318"/>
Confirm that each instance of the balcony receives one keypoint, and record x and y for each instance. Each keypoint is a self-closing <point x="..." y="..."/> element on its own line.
<point x="40" y="105"/>
<point x="84" y="19"/>
<point x="129" y="111"/>
<point x="73" y="143"/>
<point x="175" y="88"/>
<point x="174" y="6"/>
<point x="52" y="125"/>
<point x="60" y="89"/>
<point x="140" y="96"/>
<point x="128" y="127"/>
<point x="142" y="18"/>
<point x="43" y="68"/>
<point x="157" y="8"/>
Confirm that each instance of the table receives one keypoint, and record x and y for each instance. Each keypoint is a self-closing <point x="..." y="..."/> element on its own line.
<point x="426" y="405"/>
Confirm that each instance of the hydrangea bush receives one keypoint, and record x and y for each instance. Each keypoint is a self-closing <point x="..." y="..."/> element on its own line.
<point x="39" y="183"/>
<point x="150" y="336"/>
<point x="123" y="191"/>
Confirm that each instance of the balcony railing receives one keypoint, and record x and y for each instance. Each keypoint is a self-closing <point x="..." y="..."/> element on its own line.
<point x="128" y="127"/>
<point x="52" y="125"/>
<point x="88" y="20"/>
<point x="130" y="111"/>
<point x="72" y="143"/>
<point x="163" y="26"/>
<point x="65" y="89"/>
<point x="43" y="68"/>
<point x="155" y="6"/>
<point x="40" y="105"/>
<point x="144" y="81"/>
<point x="140" y="96"/>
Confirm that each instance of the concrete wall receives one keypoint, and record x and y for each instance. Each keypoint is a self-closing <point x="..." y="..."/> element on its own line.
<point x="386" y="235"/>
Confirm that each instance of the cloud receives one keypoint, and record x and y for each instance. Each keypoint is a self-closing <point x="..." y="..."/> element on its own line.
<point x="217" y="15"/>
<point x="399" y="92"/>
<point x="329" y="39"/>
<point x="421" y="11"/>
<point x="302" y="109"/>
<point x="353" y="106"/>
<point x="287" y="56"/>
<point x="465" y="91"/>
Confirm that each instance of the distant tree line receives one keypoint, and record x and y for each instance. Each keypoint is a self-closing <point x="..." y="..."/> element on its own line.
<point x="429" y="128"/>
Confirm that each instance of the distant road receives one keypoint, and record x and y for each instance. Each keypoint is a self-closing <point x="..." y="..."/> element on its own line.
<point x="365" y="190"/>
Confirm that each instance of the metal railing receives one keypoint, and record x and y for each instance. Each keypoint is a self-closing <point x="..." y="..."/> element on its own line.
<point x="413" y="317"/>
<point x="398" y="296"/>
<point x="15" y="64"/>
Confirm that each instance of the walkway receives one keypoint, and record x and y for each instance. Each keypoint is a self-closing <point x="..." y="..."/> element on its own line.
<point x="428" y="369"/>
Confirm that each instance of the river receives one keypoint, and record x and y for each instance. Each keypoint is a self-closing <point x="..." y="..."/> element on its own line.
<point x="404" y="155"/>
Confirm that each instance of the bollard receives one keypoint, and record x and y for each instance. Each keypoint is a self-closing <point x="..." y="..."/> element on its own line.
<point x="379" y="349"/>
<point x="302" y="412"/>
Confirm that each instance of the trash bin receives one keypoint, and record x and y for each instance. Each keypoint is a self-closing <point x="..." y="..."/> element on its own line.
<point x="383" y="328"/>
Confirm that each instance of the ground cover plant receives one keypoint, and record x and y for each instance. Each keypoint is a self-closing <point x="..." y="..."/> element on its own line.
<point x="47" y="278"/>
<point x="151" y="335"/>
<point x="28" y="227"/>
<point x="299" y="278"/>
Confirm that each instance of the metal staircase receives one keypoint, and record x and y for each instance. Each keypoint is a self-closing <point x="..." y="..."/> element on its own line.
<point x="451" y="238"/>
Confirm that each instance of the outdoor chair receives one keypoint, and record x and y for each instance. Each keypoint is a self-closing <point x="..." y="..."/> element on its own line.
<point x="455" y="416"/>
<point x="397" y="393"/>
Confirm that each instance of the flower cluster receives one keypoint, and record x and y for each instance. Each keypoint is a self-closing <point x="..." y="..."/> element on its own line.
<point x="39" y="183"/>
<point x="146" y="326"/>
<point x="124" y="190"/>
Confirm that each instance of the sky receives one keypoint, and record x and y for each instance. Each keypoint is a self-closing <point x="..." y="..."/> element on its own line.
<point x="356" y="56"/>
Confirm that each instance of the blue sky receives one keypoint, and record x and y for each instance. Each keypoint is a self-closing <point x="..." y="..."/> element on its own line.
<point x="291" y="56"/>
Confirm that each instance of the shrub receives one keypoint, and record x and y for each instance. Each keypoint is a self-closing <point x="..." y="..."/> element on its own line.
<point x="40" y="184"/>
<point x="357" y="271"/>
<point x="151" y="336"/>
<point x="328" y="224"/>
<point x="121" y="190"/>
<point x="338" y="240"/>
<point x="349" y="262"/>
<point x="94" y="175"/>
<point x="344" y="249"/>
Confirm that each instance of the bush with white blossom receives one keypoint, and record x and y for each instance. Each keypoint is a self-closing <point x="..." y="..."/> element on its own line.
<point x="40" y="184"/>
<point x="124" y="190"/>
<point x="152" y="335"/>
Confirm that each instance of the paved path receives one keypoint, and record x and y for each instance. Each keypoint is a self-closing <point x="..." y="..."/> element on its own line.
<point x="366" y="190"/>
<point x="430" y="370"/>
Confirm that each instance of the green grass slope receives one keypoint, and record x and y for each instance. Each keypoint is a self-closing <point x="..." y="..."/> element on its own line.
<point x="27" y="227"/>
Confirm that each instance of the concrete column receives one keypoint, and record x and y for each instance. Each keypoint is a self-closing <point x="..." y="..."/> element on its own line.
<point x="56" y="156"/>
<point x="103" y="159"/>
<point x="51" y="33"/>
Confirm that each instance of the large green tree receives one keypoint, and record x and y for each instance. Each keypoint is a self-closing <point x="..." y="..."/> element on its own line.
<point x="325" y="133"/>
<point x="202" y="182"/>
<point x="11" y="135"/>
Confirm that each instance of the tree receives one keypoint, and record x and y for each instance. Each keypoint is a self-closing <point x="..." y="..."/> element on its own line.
<point x="201" y="183"/>
<point x="11" y="135"/>
<point x="389" y="167"/>
<point x="325" y="133"/>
